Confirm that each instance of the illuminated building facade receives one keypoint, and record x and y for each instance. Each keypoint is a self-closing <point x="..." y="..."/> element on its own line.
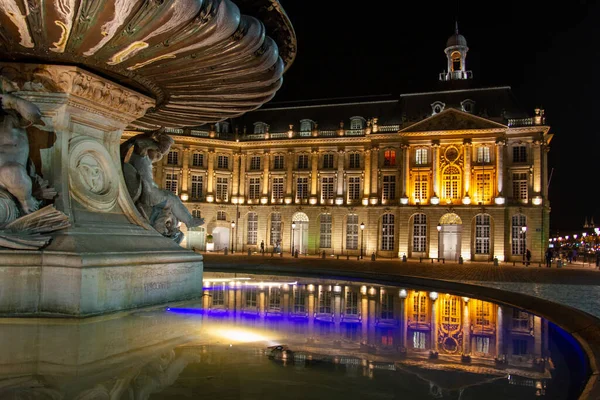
<point x="459" y="172"/>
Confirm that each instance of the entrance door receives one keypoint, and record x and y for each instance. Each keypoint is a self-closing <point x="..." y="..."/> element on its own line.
<point x="195" y="238"/>
<point x="221" y="237"/>
<point x="301" y="237"/>
<point x="450" y="241"/>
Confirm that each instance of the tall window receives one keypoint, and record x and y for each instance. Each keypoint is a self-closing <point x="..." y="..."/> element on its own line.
<point x="519" y="347"/>
<point x="451" y="183"/>
<point x="519" y="184"/>
<point x="252" y="228"/>
<point x="299" y="299"/>
<point x="198" y="160"/>
<point x="277" y="190"/>
<point x="278" y="162"/>
<point x="327" y="161"/>
<point x="482" y="344"/>
<point x="420" y="233"/>
<point x="520" y="154"/>
<point x="250" y="297"/>
<point x="483" y="313"/>
<point x="325" y="237"/>
<point x="419" y="340"/>
<point x="389" y="187"/>
<point x="450" y="310"/>
<point x="223" y="162"/>
<point x="325" y="299"/>
<point x="221" y="216"/>
<point x="196" y="213"/>
<point x="484" y="186"/>
<point x="421" y="186"/>
<point x="354" y="188"/>
<point x="274" y="299"/>
<point x="197" y="186"/>
<point x="483" y="154"/>
<point x="173" y="157"/>
<point x="171" y="183"/>
<point x="387" y="232"/>
<point x="482" y="234"/>
<point x="275" y="229"/>
<point x="389" y="158"/>
<point x="303" y="161"/>
<point x="420" y="312"/>
<point x="302" y="188"/>
<point x="387" y="306"/>
<point x="255" y="163"/>
<point x="520" y="320"/>
<point x="222" y="189"/>
<point x="218" y="295"/>
<point x="327" y="188"/>
<point x="421" y="157"/>
<point x="254" y="188"/>
<point x="354" y="160"/>
<point x="352" y="232"/>
<point x="519" y="238"/>
<point x="351" y="303"/>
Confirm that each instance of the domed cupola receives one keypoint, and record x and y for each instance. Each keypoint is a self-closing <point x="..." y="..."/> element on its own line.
<point x="456" y="53"/>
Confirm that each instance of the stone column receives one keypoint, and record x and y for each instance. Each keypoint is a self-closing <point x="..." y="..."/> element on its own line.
<point x="340" y="177"/>
<point x="500" y="167"/>
<point x="266" y="177"/>
<point x="436" y="168"/>
<point x="500" y="332"/>
<point x="364" y="312"/>
<point x="289" y="179"/>
<point x="314" y="182"/>
<point x="337" y="308"/>
<point x="434" y="325"/>
<point x="261" y="303"/>
<point x="206" y="298"/>
<point x="468" y="148"/>
<point x="373" y="296"/>
<point x="210" y="181"/>
<point x="537" y="168"/>
<point x="235" y="184"/>
<point x="545" y="171"/>
<point x="110" y="258"/>
<point x="185" y="170"/>
<point x="367" y="177"/>
<point x="406" y="172"/>
<point x="466" y="328"/>
<point x="403" y="321"/>
<point x="242" y="184"/>
<point x="374" y="199"/>
<point x="537" y="336"/>
<point x="311" y="310"/>
<point x="286" y="302"/>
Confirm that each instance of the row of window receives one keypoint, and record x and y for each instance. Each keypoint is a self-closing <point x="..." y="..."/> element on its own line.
<point x="451" y="187"/>
<point x="421" y="157"/>
<point x="307" y="125"/>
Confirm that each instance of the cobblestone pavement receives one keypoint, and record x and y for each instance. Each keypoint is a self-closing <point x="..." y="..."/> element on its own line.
<point x="576" y="285"/>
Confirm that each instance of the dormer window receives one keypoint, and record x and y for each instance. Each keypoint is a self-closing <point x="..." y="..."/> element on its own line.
<point x="437" y="107"/>
<point x="468" y="105"/>
<point x="306" y="125"/>
<point x="260" y="127"/>
<point x="222" y="127"/>
<point x="357" y="123"/>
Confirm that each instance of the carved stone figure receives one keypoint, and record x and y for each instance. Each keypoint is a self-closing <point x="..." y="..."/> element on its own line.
<point x="22" y="191"/>
<point x="161" y="207"/>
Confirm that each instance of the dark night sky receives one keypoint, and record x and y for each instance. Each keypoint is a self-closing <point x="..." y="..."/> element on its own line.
<point x="547" y="54"/>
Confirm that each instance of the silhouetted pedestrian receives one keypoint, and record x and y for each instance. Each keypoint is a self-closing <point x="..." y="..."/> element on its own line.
<point x="528" y="256"/>
<point x="548" y="257"/>
<point x="262" y="246"/>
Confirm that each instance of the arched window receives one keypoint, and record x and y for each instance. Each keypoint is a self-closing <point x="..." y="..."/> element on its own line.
<point x="275" y="229"/>
<point x="252" y="228"/>
<point x="387" y="232"/>
<point x="468" y="105"/>
<point x="389" y="158"/>
<point x="437" y="107"/>
<point x="482" y="234"/>
<point x="420" y="233"/>
<point x="325" y="236"/>
<point x="456" y="61"/>
<point x="421" y="156"/>
<point x="352" y="232"/>
<point x="260" y="127"/>
<point x="451" y="183"/>
<point x="518" y="235"/>
<point x="450" y="310"/>
<point x="357" y="123"/>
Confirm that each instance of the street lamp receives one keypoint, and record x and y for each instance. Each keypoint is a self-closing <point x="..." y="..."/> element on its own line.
<point x="293" y="229"/>
<point x="362" y="238"/>
<point x="523" y="230"/>
<point x="232" y="235"/>
<point x="439" y="229"/>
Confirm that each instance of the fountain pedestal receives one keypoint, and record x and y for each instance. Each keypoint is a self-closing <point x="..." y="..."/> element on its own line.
<point x="110" y="259"/>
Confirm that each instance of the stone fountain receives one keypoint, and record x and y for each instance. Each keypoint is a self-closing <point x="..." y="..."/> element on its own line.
<point x="75" y="243"/>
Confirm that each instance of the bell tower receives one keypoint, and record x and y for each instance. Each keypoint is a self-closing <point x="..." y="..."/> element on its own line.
<point x="456" y="53"/>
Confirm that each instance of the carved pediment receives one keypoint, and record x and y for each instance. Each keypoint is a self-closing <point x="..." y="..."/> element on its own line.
<point x="453" y="120"/>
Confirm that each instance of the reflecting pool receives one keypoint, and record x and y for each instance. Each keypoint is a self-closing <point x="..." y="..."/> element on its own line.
<point x="274" y="337"/>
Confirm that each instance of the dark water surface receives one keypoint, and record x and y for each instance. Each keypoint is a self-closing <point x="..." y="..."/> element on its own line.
<point x="270" y="337"/>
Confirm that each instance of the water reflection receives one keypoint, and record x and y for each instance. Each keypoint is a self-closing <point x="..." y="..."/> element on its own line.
<point x="260" y="336"/>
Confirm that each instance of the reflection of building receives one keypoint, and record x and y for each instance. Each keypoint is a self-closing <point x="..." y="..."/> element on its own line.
<point x="385" y="318"/>
<point x="462" y="158"/>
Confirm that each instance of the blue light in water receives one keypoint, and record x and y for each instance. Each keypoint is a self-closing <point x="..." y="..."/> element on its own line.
<point x="186" y="310"/>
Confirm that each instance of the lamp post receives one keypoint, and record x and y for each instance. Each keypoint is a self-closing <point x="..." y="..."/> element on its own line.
<point x="293" y="229"/>
<point x="362" y="238"/>
<point x="439" y="229"/>
<point x="232" y="235"/>
<point x="523" y="230"/>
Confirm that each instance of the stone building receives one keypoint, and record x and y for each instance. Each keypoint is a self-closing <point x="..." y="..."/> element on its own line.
<point x="458" y="172"/>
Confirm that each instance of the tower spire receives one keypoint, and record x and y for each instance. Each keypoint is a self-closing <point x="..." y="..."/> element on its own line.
<point x="456" y="26"/>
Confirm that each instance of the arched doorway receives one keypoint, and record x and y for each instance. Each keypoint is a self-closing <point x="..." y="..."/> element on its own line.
<point x="300" y="233"/>
<point x="221" y="237"/>
<point x="450" y="236"/>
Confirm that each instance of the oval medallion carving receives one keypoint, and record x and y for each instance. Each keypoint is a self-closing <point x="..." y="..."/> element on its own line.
<point x="93" y="179"/>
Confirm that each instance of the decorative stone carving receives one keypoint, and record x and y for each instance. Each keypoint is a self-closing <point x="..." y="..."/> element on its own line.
<point x="92" y="176"/>
<point x="22" y="191"/>
<point x="163" y="209"/>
